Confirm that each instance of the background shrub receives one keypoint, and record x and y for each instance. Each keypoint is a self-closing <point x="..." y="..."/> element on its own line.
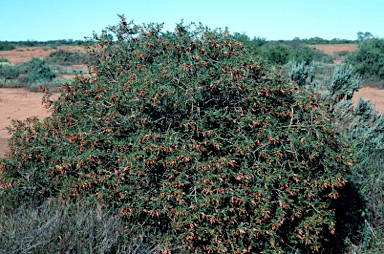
<point x="37" y="69"/>
<point x="6" y="46"/>
<point x="198" y="143"/>
<point x="277" y="54"/>
<point x="8" y="71"/>
<point x="64" y="57"/>
<point x="368" y="60"/>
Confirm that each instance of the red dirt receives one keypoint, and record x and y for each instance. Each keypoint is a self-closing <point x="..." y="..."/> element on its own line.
<point x="19" y="104"/>
<point x="335" y="48"/>
<point x="23" y="54"/>
<point x="370" y="93"/>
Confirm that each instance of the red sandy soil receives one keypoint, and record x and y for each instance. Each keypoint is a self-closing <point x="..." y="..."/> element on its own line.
<point x="371" y="93"/>
<point x="19" y="104"/>
<point x="23" y="54"/>
<point x="335" y="48"/>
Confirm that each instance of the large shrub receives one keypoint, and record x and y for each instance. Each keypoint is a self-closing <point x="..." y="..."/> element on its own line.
<point x="198" y="143"/>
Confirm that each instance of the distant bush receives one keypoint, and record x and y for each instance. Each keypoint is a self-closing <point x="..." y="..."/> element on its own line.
<point x="64" y="57"/>
<point x="6" y="46"/>
<point x="302" y="54"/>
<point x="368" y="60"/>
<point x="277" y="53"/>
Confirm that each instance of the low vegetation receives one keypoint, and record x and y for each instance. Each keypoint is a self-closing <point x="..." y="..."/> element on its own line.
<point x="283" y="52"/>
<point x="368" y="60"/>
<point x="65" y="57"/>
<point x="42" y="72"/>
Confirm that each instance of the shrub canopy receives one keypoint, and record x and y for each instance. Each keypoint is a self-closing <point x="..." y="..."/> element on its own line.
<point x="368" y="60"/>
<point x="197" y="142"/>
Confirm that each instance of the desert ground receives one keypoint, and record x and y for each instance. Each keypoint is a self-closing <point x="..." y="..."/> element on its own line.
<point x="18" y="103"/>
<point x="23" y="54"/>
<point x="335" y="48"/>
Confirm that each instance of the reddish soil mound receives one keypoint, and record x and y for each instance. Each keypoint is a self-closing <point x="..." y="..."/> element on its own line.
<point x="18" y="103"/>
<point x="23" y="54"/>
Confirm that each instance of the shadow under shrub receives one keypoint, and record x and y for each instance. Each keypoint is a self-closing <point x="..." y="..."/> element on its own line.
<point x="193" y="139"/>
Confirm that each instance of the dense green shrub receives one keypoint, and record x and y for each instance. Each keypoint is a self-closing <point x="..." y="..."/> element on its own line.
<point x="8" y="71"/>
<point x="368" y="60"/>
<point x="64" y="57"/>
<point x="37" y="69"/>
<point x="302" y="54"/>
<point x="277" y="53"/>
<point x="199" y="144"/>
<point x="6" y="45"/>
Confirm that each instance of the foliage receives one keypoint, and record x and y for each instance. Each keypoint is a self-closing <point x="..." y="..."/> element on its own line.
<point x="302" y="73"/>
<point x="277" y="54"/>
<point x="3" y="59"/>
<point x="364" y="36"/>
<point x="30" y="43"/>
<point x="302" y="54"/>
<point x="8" y="71"/>
<point x="61" y="227"/>
<point x="196" y="141"/>
<point x="37" y="69"/>
<point x="368" y="60"/>
<point x="64" y="57"/>
<point x="4" y="45"/>
<point x="360" y="207"/>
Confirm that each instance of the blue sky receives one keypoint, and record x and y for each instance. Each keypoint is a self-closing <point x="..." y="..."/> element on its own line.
<point x="43" y="20"/>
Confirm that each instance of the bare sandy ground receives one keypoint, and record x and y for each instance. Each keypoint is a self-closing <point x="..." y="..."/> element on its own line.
<point x="370" y="93"/>
<point x="335" y="48"/>
<point x="18" y="103"/>
<point x="23" y="54"/>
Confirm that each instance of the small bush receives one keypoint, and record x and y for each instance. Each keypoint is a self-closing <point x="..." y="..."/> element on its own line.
<point x="277" y="54"/>
<point x="64" y="57"/>
<point x="36" y="70"/>
<point x="56" y="226"/>
<point x="302" y="54"/>
<point x="8" y="71"/>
